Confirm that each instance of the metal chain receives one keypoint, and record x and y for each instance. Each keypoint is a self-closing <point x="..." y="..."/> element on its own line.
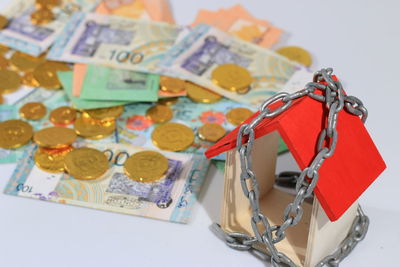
<point x="335" y="100"/>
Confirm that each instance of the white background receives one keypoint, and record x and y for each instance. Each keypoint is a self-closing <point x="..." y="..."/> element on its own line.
<point x="359" y="39"/>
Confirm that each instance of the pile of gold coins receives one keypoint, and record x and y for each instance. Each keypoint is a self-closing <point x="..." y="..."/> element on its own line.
<point x="43" y="13"/>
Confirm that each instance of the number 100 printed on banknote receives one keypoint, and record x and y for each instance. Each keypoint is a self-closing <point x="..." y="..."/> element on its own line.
<point x="171" y="198"/>
<point x="113" y="41"/>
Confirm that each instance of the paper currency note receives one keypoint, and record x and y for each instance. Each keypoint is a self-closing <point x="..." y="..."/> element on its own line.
<point x="114" y="41"/>
<point x="66" y="79"/>
<point x="205" y="47"/>
<point x="22" y="35"/>
<point x="105" y="83"/>
<point x="171" y="198"/>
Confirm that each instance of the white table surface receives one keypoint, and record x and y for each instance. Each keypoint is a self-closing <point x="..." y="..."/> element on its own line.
<point x="359" y="39"/>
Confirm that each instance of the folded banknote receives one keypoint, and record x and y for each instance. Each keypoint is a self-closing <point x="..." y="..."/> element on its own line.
<point x="205" y="47"/>
<point x="22" y="35"/>
<point x="113" y="41"/>
<point x="171" y="198"/>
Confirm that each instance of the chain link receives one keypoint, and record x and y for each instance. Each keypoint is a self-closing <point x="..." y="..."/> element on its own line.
<point x="335" y="100"/>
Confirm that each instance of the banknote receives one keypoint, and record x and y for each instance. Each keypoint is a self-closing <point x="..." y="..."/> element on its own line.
<point x="66" y="78"/>
<point x="113" y="41"/>
<point x="22" y="35"/>
<point x="239" y="22"/>
<point x="205" y="47"/>
<point x="171" y="198"/>
<point x="105" y="83"/>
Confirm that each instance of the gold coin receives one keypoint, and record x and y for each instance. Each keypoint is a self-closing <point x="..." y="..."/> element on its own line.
<point x="172" y="136"/>
<point x="62" y="150"/>
<point x="24" y="62"/>
<point x="3" y="21"/>
<point x="86" y="163"/>
<point x="297" y="54"/>
<point x="49" y="162"/>
<point x="1" y="99"/>
<point x="47" y="3"/>
<point x="168" y="101"/>
<point x="3" y="49"/>
<point x="171" y="85"/>
<point x="9" y="81"/>
<point x="93" y="130"/>
<point x="42" y="16"/>
<point x="146" y="166"/>
<point x="105" y="113"/>
<point x="3" y="62"/>
<point x="33" y="111"/>
<point x="211" y="132"/>
<point x="46" y="78"/>
<point x="63" y="116"/>
<point x="54" y="137"/>
<point x="55" y="66"/>
<point x="15" y="133"/>
<point x="231" y="77"/>
<point x="200" y="94"/>
<point x="237" y="116"/>
<point x="29" y="80"/>
<point x="159" y="113"/>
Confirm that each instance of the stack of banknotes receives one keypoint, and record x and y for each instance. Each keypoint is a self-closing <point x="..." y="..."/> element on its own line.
<point x="125" y="80"/>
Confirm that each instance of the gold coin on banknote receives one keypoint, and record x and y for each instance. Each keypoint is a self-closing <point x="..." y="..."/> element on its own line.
<point x="42" y="16"/>
<point x="24" y="62"/>
<point x="231" y="77"/>
<point x="104" y="113"/>
<point x="159" y="113"/>
<point x="63" y="116"/>
<point x="168" y="101"/>
<point x="15" y="133"/>
<point x="3" y="62"/>
<point x="146" y="166"/>
<point x="28" y="79"/>
<point x="47" y="3"/>
<point x="9" y="81"/>
<point x="211" y="132"/>
<point x="3" y="49"/>
<point x="93" y="130"/>
<point x="86" y="163"/>
<point x="53" y="162"/>
<point x="3" y="21"/>
<point x="200" y="94"/>
<point x="237" y="116"/>
<point x="47" y="79"/>
<point x="33" y="111"/>
<point x="297" y="54"/>
<point x="54" y="137"/>
<point x="62" y="150"/>
<point x="172" y="136"/>
<point x="171" y="85"/>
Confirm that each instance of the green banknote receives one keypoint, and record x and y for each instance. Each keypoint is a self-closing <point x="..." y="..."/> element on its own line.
<point x="105" y="83"/>
<point x="79" y="103"/>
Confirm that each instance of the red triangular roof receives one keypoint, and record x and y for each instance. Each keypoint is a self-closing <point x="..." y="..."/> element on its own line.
<point x="356" y="162"/>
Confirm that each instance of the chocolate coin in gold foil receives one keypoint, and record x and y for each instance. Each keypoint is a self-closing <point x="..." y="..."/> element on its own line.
<point x="9" y="81"/>
<point x="47" y="3"/>
<point x="159" y="113"/>
<point x="46" y="78"/>
<point x="168" y="101"/>
<point x="54" y="137"/>
<point x="3" y="62"/>
<point x="3" y="21"/>
<point x="237" y="116"/>
<point x="297" y="54"/>
<point x="33" y="111"/>
<point x="172" y="136"/>
<point x="86" y="163"/>
<point x="92" y="130"/>
<point x="105" y="113"/>
<point x="200" y="94"/>
<point x="171" y="85"/>
<point x="28" y="79"/>
<point x="146" y="166"/>
<point x="49" y="162"/>
<point x="24" y="62"/>
<point x="42" y="16"/>
<point x="211" y="132"/>
<point x="231" y="77"/>
<point x="63" y="115"/>
<point x="15" y="133"/>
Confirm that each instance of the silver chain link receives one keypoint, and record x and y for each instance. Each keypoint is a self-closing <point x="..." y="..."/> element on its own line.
<point x="335" y="100"/>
